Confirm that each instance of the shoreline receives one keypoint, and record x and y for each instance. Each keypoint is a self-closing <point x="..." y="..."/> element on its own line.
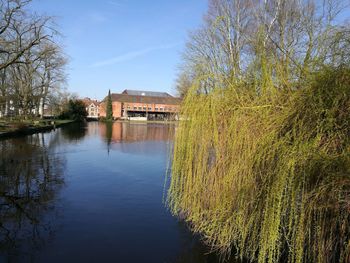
<point x="32" y="130"/>
<point x="46" y="128"/>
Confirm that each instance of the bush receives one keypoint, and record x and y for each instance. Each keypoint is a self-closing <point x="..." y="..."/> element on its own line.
<point x="75" y="110"/>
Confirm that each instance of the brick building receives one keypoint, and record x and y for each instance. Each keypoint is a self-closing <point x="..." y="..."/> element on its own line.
<point x="142" y="104"/>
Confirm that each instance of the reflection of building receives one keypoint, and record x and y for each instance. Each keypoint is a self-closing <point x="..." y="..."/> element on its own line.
<point x="129" y="132"/>
<point x="92" y="108"/>
<point x="142" y="104"/>
<point x="147" y="139"/>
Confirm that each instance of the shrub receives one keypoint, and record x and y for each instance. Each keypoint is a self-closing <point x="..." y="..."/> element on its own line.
<point x="75" y="110"/>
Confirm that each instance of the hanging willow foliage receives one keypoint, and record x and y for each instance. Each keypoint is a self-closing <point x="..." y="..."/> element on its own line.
<point x="267" y="175"/>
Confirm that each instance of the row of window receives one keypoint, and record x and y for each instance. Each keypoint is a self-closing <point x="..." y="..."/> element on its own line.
<point x="150" y="109"/>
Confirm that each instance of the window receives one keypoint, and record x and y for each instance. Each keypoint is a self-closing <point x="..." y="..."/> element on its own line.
<point x="144" y="108"/>
<point x="149" y="108"/>
<point x="161" y="109"/>
<point x="140" y="108"/>
<point x="155" y="108"/>
<point x="135" y="108"/>
<point x="128" y="107"/>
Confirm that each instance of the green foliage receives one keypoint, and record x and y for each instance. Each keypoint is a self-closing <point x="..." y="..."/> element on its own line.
<point x="267" y="173"/>
<point x="75" y="110"/>
<point x="109" y="110"/>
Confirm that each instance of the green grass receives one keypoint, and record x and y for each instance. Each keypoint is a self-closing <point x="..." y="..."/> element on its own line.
<point x="7" y="125"/>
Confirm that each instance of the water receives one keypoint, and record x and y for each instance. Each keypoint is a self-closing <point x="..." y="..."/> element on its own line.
<point x="91" y="193"/>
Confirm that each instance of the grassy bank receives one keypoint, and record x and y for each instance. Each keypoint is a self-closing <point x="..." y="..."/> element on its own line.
<point x="268" y="175"/>
<point x="11" y="128"/>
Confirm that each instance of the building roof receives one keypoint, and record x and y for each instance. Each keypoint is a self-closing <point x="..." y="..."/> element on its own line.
<point x="95" y="102"/>
<point x="88" y="102"/>
<point x="145" y="99"/>
<point x="146" y="93"/>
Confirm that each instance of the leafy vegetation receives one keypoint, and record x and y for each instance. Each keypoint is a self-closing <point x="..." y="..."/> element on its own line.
<point x="109" y="110"/>
<point x="75" y="110"/>
<point x="268" y="176"/>
<point x="261" y="160"/>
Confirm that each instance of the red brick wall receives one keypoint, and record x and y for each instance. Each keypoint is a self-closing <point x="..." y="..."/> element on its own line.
<point x="116" y="106"/>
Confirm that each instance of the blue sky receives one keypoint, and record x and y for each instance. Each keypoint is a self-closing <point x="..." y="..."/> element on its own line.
<point x="123" y="44"/>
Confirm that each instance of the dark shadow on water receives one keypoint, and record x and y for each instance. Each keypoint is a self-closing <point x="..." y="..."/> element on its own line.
<point x="30" y="179"/>
<point x="74" y="132"/>
<point x="193" y="249"/>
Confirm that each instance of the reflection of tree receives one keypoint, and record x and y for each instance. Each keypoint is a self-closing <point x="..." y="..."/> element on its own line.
<point x="194" y="251"/>
<point x="75" y="132"/>
<point x="30" y="178"/>
<point x="109" y="133"/>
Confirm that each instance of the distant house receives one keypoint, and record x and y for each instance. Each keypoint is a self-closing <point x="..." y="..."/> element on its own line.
<point x="49" y="112"/>
<point x="7" y="106"/>
<point x="92" y="108"/>
<point x="149" y="105"/>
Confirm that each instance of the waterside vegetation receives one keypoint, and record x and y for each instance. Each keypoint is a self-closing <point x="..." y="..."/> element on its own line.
<point x="261" y="164"/>
<point x="14" y="128"/>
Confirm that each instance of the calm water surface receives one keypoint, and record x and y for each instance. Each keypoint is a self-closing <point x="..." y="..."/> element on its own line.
<point x="91" y="193"/>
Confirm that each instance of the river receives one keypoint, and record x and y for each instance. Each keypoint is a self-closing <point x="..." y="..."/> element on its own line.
<point x="91" y="193"/>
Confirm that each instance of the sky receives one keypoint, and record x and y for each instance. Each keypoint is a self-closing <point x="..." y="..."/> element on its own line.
<point x="122" y="44"/>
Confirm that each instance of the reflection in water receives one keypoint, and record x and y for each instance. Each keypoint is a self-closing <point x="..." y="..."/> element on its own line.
<point x="192" y="250"/>
<point x="132" y="132"/>
<point x="110" y="208"/>
<point x="109" y="134"/>
<point x="30" y="178"/>
<point x="136" y="138"/>
<point x="75" y="132"/>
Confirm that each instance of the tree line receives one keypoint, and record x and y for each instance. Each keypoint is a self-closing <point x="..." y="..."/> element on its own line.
<point x="261" y="165"/>
<point x="32" y="62"/>
<point x="262" y="42"/>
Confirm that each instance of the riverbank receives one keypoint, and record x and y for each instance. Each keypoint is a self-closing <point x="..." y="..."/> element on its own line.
<point x="9" y="129"/>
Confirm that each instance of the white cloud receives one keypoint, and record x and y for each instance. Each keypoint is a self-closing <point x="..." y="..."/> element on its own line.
<point x="131" y="55"/>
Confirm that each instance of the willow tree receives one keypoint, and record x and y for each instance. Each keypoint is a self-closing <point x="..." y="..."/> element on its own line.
<point x="261" y="159"/>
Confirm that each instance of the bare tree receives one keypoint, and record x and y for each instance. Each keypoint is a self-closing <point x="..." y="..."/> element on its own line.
<point x="19" y="31"/>
<point x="265" y="41"/>
<point x="31" y="60"/>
